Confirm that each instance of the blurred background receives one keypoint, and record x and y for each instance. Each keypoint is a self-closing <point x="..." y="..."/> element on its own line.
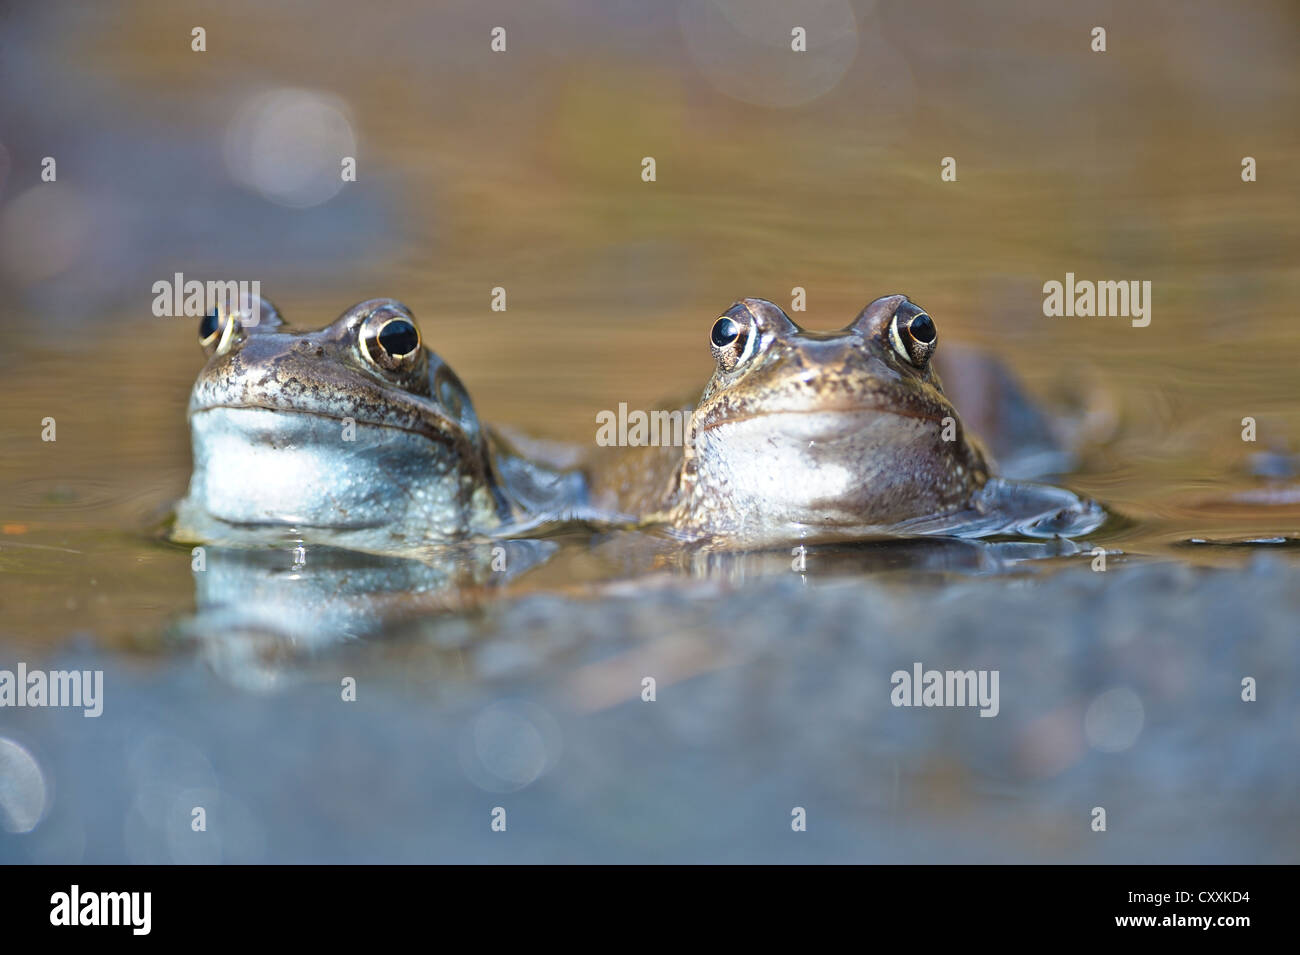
<point x="522" y="169"/>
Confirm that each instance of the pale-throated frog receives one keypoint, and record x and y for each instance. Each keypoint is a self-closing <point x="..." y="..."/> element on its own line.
<point x="805" y="435"/>
<point x="355" y="435"/>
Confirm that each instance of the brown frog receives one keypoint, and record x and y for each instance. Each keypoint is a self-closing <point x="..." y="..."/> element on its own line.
<point x="805" y="435"/>
<point x="354" y="435"/>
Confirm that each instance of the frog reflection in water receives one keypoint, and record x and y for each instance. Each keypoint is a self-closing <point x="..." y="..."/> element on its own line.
<point x="355" y="435"/>
<point x="804" y="435"/>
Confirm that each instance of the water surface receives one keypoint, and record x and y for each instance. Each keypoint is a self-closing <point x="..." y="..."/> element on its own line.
<point x="523" y="170"/>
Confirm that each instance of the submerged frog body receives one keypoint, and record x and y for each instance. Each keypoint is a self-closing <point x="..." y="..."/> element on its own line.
<point x="804" y="435"/>
<point x="355" y="435"/>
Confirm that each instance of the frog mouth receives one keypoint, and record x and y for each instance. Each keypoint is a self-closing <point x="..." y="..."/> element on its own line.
<point x="442" y="431"/>
<point x="832" y="412"/>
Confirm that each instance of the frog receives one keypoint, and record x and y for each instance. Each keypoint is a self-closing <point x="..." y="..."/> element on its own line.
<point x="355" y="435"/>
<point x="805" y="435"/>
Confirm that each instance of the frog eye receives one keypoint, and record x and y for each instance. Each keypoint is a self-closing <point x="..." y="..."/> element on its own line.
<point x="217" y="329"/>
<point x="390" y="340"/>
<point x="732" y="338"/>
<point x="725" y="331"/>
<point x="913" y="334"/>
<point x="209" y="325"/>
<point x="398" y="338"/>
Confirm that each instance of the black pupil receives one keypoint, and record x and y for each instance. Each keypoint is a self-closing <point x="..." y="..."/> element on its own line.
<point x="208" y="325"/>
<point x="922" y="329"/>
<point x="398" y="337"/>
<point x="725" y="331"/>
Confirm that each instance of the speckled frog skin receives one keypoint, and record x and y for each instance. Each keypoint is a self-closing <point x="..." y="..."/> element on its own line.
<point x="358" y="436"/>
<point x="805" y="435"/>
<point x="355" y="435"/>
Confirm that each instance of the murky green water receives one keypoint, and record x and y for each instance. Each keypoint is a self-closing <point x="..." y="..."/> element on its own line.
<point x="522" y="170"/>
